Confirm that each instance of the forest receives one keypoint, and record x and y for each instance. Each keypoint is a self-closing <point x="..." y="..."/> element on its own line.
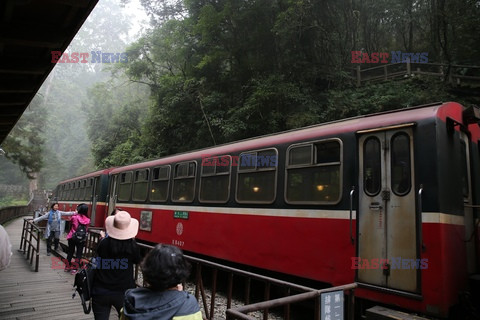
<point x="208" y="72"/>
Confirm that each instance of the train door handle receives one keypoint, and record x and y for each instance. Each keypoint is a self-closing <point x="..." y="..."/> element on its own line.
<point x="352" y="192"/>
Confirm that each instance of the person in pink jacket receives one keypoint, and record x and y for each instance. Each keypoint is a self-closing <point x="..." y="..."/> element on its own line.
<point x="77" y="237"/>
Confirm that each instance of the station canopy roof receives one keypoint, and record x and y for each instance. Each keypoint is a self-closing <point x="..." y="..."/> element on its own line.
<point x="29" y="31"/>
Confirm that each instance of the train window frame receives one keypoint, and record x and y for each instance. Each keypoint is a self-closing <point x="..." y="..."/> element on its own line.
<point x="215" y="174"/>
<point x="313" y="164"/>
<point x="81" y="192"/>
<point x="122" y="184"/>
<point x="395" y="190"/>
<point x="67" y="191"/>
<point x="167" y="179"/>
<point x="255" y="170"/>
<point x="62" y="192"/>
<point x="367" y="192"/>
<point x="136" y="184"/>
<point x="76" y="188"/>
<point x="183" y="177"/>
<point x="71" y="192"/>
<point x="88" y="189"/>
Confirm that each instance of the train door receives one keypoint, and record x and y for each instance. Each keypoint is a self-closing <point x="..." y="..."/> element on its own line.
<point x="387" y="221"/>
<point x="112" y="196"/>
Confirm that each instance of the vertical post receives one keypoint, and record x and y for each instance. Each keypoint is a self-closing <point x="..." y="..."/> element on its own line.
<point x="286" y="308"/>
<point x="247" y="291"/>
<point x="38" y="250"/>
<point x="198" y="275"/>
<point x="409" y="68"/>
<point x="30" y="232"/>
<point x="214" y="292"/>
<point x="385" y="72"/>
<point x="230" y="290"/>
<point x="317" y="308"/>
<point x="266" y="298"/>
<point x="351" y="305"/>
<point x="22" y="243"/>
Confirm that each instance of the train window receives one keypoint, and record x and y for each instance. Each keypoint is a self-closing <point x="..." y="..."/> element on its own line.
<point x="83" y="184"/>
<point x="71" y="194"/>
<point x="372" y="166"/>
<point x="125" y="186"/>
<point x="257" y="176"/>
<point x="313" y="173"/>
<point x="184" y="182"/>
<point x="61" y="192"/>
<point x="301" y="155"/>
<point x="215" y="179"/>
<point x="89" y="189"/>
<point x="67" y="191"/>
<point x="73" y="189"/>
<point x="140" y="185"/>
<point x="464" y="168"/>
<point x="160" y="183"/>
<point x="76" y="186"/>
<point x="400" y="164"/>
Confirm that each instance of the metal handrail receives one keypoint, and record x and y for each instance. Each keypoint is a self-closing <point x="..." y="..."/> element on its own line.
<point x="241" y="312"/>
<point x="200" y="264"/>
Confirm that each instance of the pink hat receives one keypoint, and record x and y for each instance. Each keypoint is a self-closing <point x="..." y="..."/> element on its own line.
<point x="121" y="226"/>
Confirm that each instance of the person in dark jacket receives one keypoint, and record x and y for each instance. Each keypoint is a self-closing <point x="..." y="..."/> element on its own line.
<point x="164" y="269"/>
<point x="116" y="256"/>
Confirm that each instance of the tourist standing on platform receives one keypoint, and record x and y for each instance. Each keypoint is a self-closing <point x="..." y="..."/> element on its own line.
<point x="5" y="248"/>
<point x="52" y="231"/>
<point x="116" y="256"/>
<point x="164" y="270"/>
<point x="77" y="240"/>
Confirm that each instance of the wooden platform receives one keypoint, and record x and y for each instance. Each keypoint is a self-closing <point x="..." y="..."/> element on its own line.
<point x="46" y="294"/>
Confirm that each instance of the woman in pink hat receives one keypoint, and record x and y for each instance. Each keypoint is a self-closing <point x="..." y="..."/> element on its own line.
<point x="116" y="256"/>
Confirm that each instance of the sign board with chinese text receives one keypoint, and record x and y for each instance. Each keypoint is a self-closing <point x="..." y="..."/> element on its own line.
<point x="331" y="305"/>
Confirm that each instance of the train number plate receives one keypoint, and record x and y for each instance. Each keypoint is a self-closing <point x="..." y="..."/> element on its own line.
<point x="180" y="215"/>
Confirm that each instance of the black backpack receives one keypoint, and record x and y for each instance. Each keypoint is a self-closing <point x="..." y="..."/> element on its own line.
<point x="81" y="234"/>
<point x="83" y="285"/>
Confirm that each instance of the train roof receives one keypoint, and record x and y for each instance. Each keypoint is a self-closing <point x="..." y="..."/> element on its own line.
<point x="364" y="122"/>
<point x="88" y="175"/>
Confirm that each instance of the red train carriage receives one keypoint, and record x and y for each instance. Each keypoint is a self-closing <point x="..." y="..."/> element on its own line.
<point x="91" y="189"/>
<point x="388" y="200"/>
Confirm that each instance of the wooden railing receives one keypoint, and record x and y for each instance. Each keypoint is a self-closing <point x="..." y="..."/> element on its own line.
<point x="454" y="74"/>
<point x="30" y="241"/>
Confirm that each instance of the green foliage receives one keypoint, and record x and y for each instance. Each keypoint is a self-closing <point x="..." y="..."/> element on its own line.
<point x="115" y="111"/>
<point x="24" y="144"/>
<point x="389" y="95"/>
<point x="12" y="202"/>
<point x="225" y="70"/>
<point x="271" y="105"/>
<point x="219" y="71"/>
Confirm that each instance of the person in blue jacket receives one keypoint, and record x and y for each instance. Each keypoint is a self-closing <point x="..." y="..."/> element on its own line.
<point x="164" y="270"/>
<point x="52" y="231"/>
